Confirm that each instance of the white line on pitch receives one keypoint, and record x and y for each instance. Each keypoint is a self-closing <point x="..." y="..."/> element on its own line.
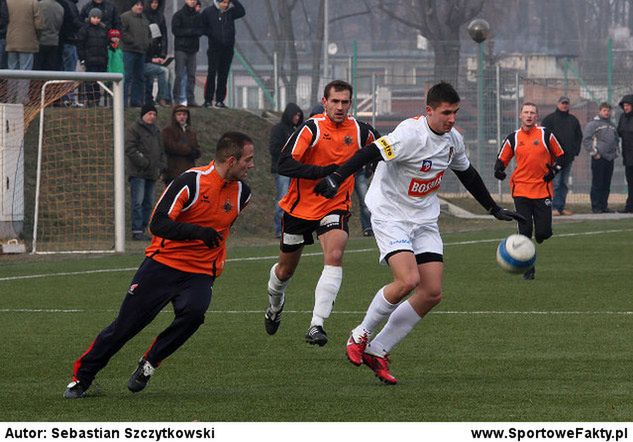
<point x="270" y="257"/>
<point x="242" y="312"/>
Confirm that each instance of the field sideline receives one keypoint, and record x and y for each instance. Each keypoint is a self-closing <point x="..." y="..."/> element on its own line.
<point x="496" y="349"/>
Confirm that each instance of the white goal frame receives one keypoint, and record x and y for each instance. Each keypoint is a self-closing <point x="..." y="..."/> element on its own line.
<point x="53" y="77"/>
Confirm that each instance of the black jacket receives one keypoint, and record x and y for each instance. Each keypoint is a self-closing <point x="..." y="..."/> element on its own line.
<point x="567" y="130"/>
<point x="625" y="131"/>
<point x="109" y="15"/>
<point x="159" y="46"/>
<point x="92" y="45"/>
<point x="71" y="24"/>
<point x="280" y="133"/>
<point x="4" y="18"/>
<point x="219" y="25"/>
<point x="186" y="25"/>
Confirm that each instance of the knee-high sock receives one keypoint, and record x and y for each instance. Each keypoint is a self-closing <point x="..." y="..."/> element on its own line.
<point x="276" y="289"/>
<point x="399" y="325"/>
<point x="378" y="311"/>
<point x="325" y="293"/>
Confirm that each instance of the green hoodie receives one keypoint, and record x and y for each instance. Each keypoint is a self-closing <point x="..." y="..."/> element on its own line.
<point x="115" y="60"/>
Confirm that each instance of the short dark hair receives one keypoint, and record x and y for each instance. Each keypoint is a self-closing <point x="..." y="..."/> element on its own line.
<point x="338" y="85"/>
<point x="529" y="103"/>
<point x="231" y="144"/>
<point x="604" y="105"/>
<point x="442" y="92"/>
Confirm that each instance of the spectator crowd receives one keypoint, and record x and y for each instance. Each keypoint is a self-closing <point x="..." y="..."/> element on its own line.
<point x="124" y="36"/>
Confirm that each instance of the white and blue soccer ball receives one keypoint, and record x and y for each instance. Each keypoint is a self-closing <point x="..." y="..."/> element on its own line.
<point x="516" y="253"/>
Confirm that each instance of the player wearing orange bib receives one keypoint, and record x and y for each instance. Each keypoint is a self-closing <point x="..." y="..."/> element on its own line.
<point x="538" y="157"/>
<point x="190" y="223"/>
<point x="313" y="152"/>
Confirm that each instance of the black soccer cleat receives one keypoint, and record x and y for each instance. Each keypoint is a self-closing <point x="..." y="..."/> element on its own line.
<point x="316" y="336"/>
<point x="74" y="390"/>
<point x="272" y="319"/>
<point x="529" y="274"/>
<point x="140" y="377"/>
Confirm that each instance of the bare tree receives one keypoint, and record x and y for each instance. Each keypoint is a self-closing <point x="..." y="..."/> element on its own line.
<point x="439" y="21"/>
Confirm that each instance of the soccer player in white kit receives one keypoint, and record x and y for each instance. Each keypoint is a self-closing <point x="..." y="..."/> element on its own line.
<point x="404" y="209"/>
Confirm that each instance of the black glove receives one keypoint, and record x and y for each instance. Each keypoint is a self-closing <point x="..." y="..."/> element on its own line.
<point x="553" y="170"/>
<point x="500" y="175"/>
<point x="499" y="170"/>
<point x="506" y="215"/>
<point x="210" y="237"/>
<point x="328" y="186"/>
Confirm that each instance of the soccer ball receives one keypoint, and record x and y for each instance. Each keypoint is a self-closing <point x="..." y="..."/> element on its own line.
<point x="516" y="253"/>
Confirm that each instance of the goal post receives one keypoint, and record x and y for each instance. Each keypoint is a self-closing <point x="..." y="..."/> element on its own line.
<point x="78" y="201"/>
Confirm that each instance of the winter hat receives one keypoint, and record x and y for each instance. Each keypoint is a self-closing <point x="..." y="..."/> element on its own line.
<point x="114" y="33"/>
<point x="563" y="99"/>
<point x="95" y="12"/>
<point x="148" y="108"/>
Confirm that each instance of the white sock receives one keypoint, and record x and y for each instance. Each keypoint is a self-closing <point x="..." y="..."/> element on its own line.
<point x="399" y="325"/>
<point x="276" y="289"/>
<point x="378" y="311"/>
<point x="325" y="293"/>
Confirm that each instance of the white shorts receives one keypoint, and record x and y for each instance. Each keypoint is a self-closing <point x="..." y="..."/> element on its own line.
<point x="392" y="236"/>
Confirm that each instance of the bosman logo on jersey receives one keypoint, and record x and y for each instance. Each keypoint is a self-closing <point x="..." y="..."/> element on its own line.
<point x="387" y="148"/>
<point x="421" y="188"/>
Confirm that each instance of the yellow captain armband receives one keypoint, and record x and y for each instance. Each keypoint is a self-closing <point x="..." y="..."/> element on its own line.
<point x="385" y="145"/>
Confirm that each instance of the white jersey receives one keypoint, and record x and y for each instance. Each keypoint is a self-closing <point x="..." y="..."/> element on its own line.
<point x="405" y="184"/>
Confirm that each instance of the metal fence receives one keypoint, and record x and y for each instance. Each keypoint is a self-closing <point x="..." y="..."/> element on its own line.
<point x="391" y="85"/>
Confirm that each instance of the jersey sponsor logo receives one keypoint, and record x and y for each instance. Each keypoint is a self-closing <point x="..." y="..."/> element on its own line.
<point x="420" y="188"/>
<point x="426" y="165"/>
<point x="387" y="148"/>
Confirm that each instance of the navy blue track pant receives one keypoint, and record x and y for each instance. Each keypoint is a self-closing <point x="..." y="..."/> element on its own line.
<point x="152" y="288"/>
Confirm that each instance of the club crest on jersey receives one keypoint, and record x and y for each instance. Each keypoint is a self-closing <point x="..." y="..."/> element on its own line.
<point x="130" y="291"/>
<point x="348" y="140"/>
<point x="426" y="166"/>
<point x="227" y="206"/>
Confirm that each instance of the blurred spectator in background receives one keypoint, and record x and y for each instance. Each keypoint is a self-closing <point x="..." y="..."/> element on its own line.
<point x="92" y="49"/>
<point x="625" y="131"/>
<point x="219" y="26"/>
<point x="567" y="130"/>
<point x="115" y="54"/>
<point x="4" y="22"/>
<point x="156" y="56"/>
<point x="279" y="134"/>
<point x="67" y="49"/>
<point x="600" y="139"/>
<point x="186" y="25"/>
<point x="109" y="13"/>
<point x="181" y="144"/>
<point x="25" y="22"/>
<point x="135" y="41"/>
<point x="47" y="59"/>
<point x="146" y="161"/>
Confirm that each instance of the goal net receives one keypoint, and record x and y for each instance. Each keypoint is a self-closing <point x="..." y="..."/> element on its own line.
<point x="72" y="153"/>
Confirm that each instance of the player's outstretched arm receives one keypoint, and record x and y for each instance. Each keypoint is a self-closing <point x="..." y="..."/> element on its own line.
<point x="328" y="186"/>
<point x="472" y="181"/>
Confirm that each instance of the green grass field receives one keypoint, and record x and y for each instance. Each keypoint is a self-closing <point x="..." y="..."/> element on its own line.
<point x="497" y="348"/>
